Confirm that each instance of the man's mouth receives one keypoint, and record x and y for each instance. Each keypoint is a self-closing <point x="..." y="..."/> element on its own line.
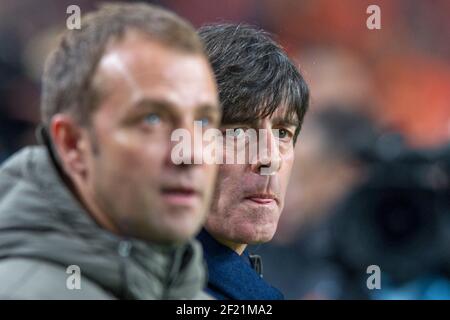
<point x="262" y="198"/>
<point x="180" y="196"/>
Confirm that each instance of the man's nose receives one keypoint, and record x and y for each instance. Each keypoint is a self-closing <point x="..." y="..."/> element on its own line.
<point x="268" y="161"/>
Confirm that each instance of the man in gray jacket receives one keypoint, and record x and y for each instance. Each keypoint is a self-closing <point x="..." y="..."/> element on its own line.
<point x="101" y="211"/>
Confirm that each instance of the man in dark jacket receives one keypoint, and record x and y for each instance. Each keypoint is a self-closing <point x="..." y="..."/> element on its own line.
<point x="101" y="211"/>
<point x="261" y="91"/>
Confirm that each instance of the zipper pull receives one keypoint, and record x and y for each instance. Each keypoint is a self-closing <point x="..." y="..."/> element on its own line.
<point x="124" y="248"/>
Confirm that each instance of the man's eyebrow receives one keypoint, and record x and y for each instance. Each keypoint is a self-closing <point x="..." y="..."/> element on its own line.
<point x="277" y="121"/>
<point x="207" y="107"/>
<point x="150" y="102"/>
<point x="166" y="106"/>
<point x="286" y="121"/>
<point x="243" y="121"/>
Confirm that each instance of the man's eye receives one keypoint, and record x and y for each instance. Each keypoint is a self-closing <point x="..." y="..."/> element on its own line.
<point x="237" y="132"/>
<point x="152" y="119"/>
<point x="281" y="133"/>
<point x="205" y="121"/>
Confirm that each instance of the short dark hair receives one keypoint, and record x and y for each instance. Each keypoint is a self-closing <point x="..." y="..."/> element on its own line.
<point x="254" y="74"/>
<point x="67" y="80"/>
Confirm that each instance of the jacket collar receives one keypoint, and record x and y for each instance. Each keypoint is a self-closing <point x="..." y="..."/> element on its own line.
<point x="231" y="276"/>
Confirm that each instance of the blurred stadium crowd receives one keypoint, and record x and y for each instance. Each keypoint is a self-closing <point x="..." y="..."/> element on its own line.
<point x="380" y="103"/>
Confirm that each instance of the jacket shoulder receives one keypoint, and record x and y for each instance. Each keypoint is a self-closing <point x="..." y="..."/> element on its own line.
<point x="23" y="279"/>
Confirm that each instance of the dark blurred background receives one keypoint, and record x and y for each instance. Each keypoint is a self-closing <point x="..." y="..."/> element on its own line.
<point x="371" y="180"/>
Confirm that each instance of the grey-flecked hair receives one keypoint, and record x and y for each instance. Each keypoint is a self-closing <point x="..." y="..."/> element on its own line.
<point x="254" y="74"/>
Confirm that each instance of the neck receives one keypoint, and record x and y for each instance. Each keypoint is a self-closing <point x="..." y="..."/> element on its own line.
<point x="236" y="247"/>
<point x="83" y="196"/>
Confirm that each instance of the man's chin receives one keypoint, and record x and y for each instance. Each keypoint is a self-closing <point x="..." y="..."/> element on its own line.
<point x="182" y="231"/>
<point x="171" y="231"/>
<point x="174" y="237"/>
<point x="255" y="236"/>
<point x="260" y="240"/>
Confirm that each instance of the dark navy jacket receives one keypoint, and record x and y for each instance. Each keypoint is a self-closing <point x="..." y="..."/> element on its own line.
<point x="232" y="276"/>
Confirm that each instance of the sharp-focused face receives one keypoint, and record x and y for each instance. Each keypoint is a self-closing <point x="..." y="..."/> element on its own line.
<point x="147" y="90"/>
<point x="247" y="202"/>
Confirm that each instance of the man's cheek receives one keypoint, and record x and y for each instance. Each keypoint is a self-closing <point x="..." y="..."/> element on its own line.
<point x="135" y="155"/>
<point x="211" y="173"/>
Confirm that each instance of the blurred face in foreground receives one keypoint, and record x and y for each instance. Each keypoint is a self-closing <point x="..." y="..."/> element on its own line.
<point x="249" y="197"/>
<point x="121" y="165"/>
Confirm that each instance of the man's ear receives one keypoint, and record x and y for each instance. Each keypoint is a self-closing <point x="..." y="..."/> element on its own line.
<point x="70" y="142"/>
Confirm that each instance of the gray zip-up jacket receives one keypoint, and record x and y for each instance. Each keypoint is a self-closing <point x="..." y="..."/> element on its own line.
<point x="45" y="236"/>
